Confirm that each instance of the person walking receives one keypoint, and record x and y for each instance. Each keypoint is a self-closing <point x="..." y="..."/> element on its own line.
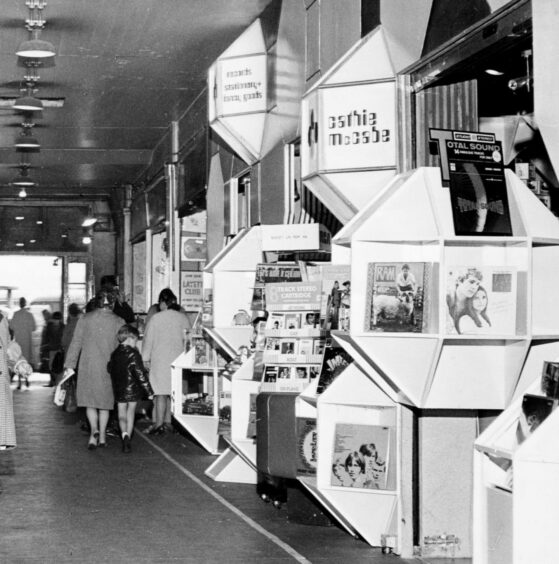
<point x="23" y="324"/>
<point x="164" y="340"/>
<point x="53" y="345"/>
<point x="95" y="338"/>
<point x="130" y="381"/>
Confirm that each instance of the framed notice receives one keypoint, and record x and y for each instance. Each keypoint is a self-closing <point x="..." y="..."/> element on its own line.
<point x="193" y="248"/>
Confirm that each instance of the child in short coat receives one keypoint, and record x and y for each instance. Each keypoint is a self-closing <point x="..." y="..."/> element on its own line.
<point x="130" y="381"/>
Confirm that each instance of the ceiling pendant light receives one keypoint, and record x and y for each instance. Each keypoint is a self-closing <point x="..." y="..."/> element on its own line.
<point x="28" y="104"/>
<point x="35" y="47"/>
<point x="22" y="180"/>
<point x="22" y="193"/>
<point x="26" y="142"/>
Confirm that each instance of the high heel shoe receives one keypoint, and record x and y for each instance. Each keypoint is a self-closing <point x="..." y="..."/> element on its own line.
<point x="93" y="441"/>
<point x="157" y="430"/>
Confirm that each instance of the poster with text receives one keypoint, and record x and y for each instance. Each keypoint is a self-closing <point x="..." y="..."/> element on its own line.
<point x="192" y="297"/>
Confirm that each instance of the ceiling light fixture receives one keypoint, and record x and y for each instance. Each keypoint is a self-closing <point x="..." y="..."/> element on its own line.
<point x="25" y="141"/>
<point x="35" y="47"/>
<point x="494" y="72"/>
<point x="28" y="104"/>
<point x="89" y="221"/>
<point x="22" y="193"/>
<point x="22" y="179"/>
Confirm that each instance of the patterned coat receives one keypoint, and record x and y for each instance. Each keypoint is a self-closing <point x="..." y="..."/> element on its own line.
<point x="7" y="424"/>
<point x="94" y="339"/>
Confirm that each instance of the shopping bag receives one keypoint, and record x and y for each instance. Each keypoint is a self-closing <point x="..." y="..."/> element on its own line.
<point x="59" y="395"/>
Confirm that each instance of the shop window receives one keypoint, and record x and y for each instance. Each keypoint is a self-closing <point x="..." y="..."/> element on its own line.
<point x="302" y="206"/>
<point x="312" y="38"/>
<point x="294" y="211"/>
<point x="239" y="203"/>
<point x="370" y="15"/>
<point x="77" y="283"/>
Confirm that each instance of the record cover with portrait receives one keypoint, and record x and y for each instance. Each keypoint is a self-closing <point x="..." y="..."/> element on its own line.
<point x="481" y="300"/>
<point x="360" y="458"/>
<point x="398" y="296"/>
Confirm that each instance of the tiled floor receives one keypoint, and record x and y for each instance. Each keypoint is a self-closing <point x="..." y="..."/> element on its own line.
<point x="63" y="503"/>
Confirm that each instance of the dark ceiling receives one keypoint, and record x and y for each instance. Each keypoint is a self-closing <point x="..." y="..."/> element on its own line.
<point x="123" y="71"/>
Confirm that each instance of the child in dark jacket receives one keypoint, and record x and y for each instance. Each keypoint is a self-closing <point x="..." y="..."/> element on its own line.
<point x="130" y="381"/>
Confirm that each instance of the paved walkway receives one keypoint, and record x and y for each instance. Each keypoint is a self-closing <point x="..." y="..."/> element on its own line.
<point x="63" y="503"/>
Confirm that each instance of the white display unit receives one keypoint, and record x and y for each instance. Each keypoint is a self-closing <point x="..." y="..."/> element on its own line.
<point x="411" y="220"/>
<point x="233" y="276"/>
<point x="204" y="428"/>
<point x="377" y="515"/>
<point x="238" y="462"/>
<point x="516" y="525"/>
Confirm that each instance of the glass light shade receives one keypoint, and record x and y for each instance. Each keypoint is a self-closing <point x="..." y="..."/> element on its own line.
<point x="23" y="181"/>
<point x="28" y="104"/>
<point x="26" y="141"/>
<point x="89" y="221"/>
<point x="22" y="193"/>
<point x="36" y="49"/>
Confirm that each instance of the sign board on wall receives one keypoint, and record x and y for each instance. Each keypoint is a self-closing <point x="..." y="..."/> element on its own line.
<point x="295" y="237"/>
<point x="139" y="276"/>
<point x="193" y="248"/>
<point x="191" y="291"/>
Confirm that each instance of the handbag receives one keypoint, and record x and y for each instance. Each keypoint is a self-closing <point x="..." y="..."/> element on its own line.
<point x="70" y="401"/>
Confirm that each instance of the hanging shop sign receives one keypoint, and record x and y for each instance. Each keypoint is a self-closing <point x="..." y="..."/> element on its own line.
<point x="348" y="146"/>
<point x="192" y="292"/>
<point x="238" y="94"/>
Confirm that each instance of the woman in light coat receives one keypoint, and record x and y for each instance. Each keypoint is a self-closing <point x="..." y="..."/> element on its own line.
<point x="164" y="341"/>
<point x="94" y="339"/>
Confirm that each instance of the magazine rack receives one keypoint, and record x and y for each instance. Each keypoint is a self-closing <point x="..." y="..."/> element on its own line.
<point x="189" y="380"/>
<point x="411" y="220"/>
<point x="516" y="525"/>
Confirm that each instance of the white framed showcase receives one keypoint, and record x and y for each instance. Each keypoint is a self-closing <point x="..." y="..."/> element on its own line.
<point x="199" y="394"/>
<point x="362" y="463"/>
<point x="447" y="366"/>
<point x="428" y="362"/>
<point x="516" y="472"/>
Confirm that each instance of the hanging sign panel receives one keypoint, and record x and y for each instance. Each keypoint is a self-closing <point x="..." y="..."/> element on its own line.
<point x="356" y="126"/>
<point x="241" y="85"/>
